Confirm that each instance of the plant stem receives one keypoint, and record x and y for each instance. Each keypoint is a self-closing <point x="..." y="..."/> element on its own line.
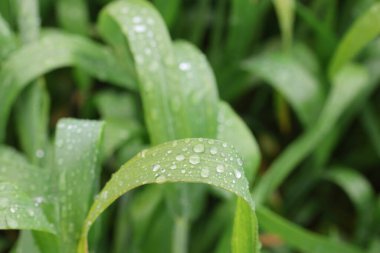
<point x="180" y="235"/>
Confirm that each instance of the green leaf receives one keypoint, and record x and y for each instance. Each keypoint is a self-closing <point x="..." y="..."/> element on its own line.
<point x="232" y="129"/>
<point x="360" y="192"/>
<point x="298" y="237"/>
<point x="55" y="50"/>
<point x="285" y="14"/>
<point x="364" y="30"/>
<point x="7" y="39"/>
<point x="349" y="84"/>
<point x="25" y="244"/>
<point x="19" y="211"/>
<point x="28" y="19"/>
<point x="32" y="119"/>
<point x="199" y="91"/>
<point x="245" y="234"/>
<point x="244" y="24"/>
<point x="73" y="16"/>
<point x="77" y="151"/>
<point x="188" y="160"/>
<point x="16" y="170"/>
<point x="292" y="80"/>
<point x="160" y="67"/>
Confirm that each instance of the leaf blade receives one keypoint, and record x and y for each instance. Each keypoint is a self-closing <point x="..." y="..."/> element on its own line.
<point x="149" y="167"/>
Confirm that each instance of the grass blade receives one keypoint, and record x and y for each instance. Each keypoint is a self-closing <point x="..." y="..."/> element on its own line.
<point x="56" y="50"/>
<point x="364" y="30"/>
<point x="73" y="16"/>
<point x="292" y="80"/>
<point x="298" y="237"/>
<point x="169" y="163"/>
<point x="285" y="14"/>
<point x="77" y="146"/>
<point x="33" y="120"/>
<point x="348" y="85"/>
<point x="360" y="192"/>
<point x="159" y="69"/>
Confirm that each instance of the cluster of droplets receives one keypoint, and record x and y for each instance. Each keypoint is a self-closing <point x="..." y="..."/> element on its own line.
<point x="197" y="158"/>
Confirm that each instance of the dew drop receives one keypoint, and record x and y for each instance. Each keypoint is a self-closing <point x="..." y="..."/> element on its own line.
<point x="220" y="168"/>
<point x="224" y="144"/>
<point x="38" y="201"/>
<point x="239" y="162"/>
<point x="184" y="66"/>
<point x="194" y="159"/>
<point x="13" y="209"/>
<point x="199" y="148"/>
<point x="136" y="19"/>
<point x="160" y="179"/>
<point x="173" y="167"/>
<point x="205" y="172"/>
<point x="213" y="150"/>
<point x="105" y="195"/>
<point x="180" y="157"/>
<point x="237" y="174"/>
<point x="156" y="167"/>
<point x="40" y="153"/>
<point x="31" y="212"/>
<point x="139" y="28"/>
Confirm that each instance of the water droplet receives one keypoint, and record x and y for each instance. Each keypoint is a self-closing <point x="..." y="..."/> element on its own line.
<point x="239" y="162"/>
<point x="139" y="28"/>
<point x="143" y="153"/>
<point x="199" y="148"/>
<point x="213" y="150"/>
<point x="224" y="144"/>
<point x="40" y="153"/>
<point x="205" y="172"/>
<point x="136" y="19"/>
<point x="160" y="179"/>
<point x="237" y="174"/>
<point x="13" y="209"/>
<point x="31" y="212"/>
<point x="38" y="201"/>
<point x="184" y="66"/>
<point x="220" y="168"/>
<point x="173" y="167"/>
<point x="105" y="195"/>
<point x="194" y="159"/>
<point x="180" y="157"/>
<point x="156" y="167"/>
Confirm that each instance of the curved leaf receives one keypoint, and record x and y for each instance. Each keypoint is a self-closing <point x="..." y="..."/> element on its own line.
<point x="360" y="192"/>
<point x="55" y="50"/>
<point x="190" y="160"/>
<point x="350" y="83"/>
<point x="292" y="80"/>
<point x="365" y="29"/>
<point x="170" y="77"/>
<point x="73" y="16"/>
